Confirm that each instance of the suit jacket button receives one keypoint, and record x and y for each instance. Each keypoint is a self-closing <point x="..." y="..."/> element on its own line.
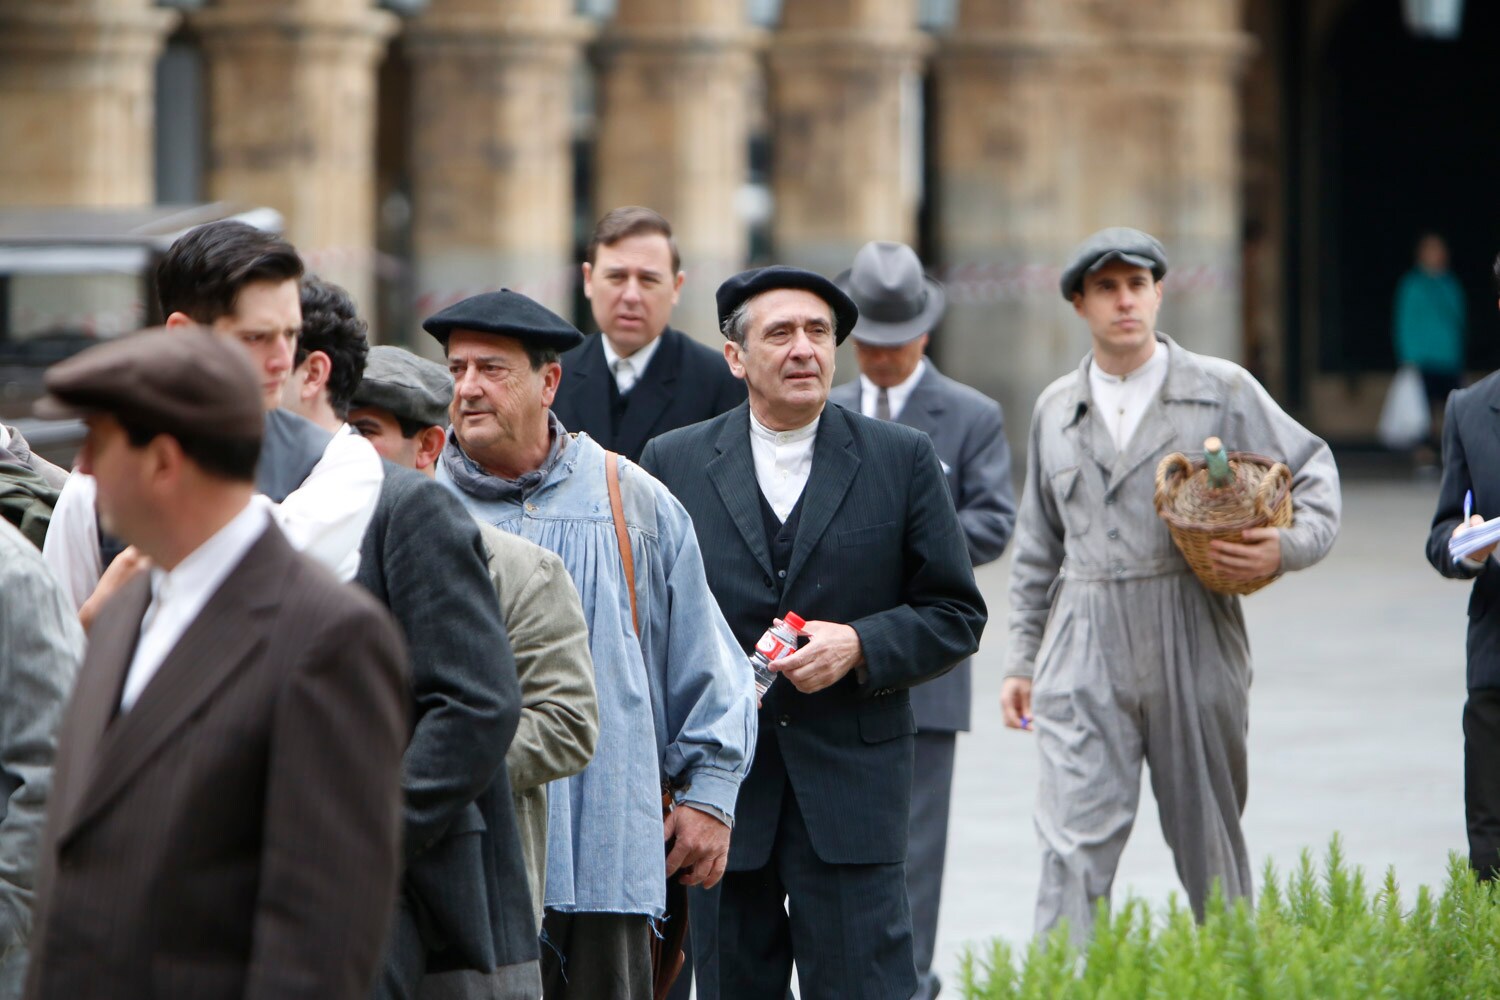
<point x="785" y="720"/>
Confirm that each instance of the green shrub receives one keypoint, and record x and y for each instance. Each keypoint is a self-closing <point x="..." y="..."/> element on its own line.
<point x="1314" y="937"/>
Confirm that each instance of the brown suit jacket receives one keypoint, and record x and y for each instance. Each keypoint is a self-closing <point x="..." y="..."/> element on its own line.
<point x="236" y="834"/>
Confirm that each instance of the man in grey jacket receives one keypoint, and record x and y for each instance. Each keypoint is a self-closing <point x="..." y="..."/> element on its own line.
<point x="898" y="308"/>
<point x="1117" y="652"/>
<point x="41" y="645"/>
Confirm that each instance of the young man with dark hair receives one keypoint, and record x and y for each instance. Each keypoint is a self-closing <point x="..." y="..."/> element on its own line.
<point x="243" y="285"/>
<point x="637" y="377"/>
<point x="227" y="786"/>
<point x="330" y="354"/>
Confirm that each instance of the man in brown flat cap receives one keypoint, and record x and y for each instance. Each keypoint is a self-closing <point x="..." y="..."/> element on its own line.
<point x="226" y="797"/>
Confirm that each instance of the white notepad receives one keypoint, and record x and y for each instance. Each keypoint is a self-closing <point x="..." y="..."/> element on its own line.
<point x="1476" y="538"/>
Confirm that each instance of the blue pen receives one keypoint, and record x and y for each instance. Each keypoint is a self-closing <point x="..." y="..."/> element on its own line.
<point x="1468" y="504"/>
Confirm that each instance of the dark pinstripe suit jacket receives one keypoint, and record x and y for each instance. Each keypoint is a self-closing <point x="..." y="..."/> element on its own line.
<point x="968" y="432"/>
<point x="878" y="547"/>
<point x="237" y="832"/>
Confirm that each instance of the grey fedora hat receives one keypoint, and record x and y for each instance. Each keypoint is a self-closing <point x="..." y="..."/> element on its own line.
<point x="1118" y="243"/>
<point x="897" y="301"/>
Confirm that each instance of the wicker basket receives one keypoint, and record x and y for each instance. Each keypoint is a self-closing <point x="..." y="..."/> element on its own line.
<point x="1197" y="514"/>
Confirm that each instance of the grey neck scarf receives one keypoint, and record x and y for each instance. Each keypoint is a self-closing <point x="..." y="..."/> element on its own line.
<point x="475" y="481"/>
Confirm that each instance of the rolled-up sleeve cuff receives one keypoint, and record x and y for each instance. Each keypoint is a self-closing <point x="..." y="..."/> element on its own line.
<point x="715" y="788"/>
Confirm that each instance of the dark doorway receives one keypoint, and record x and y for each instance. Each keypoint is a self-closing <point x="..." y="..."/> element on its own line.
<point x="1408" y="143"/>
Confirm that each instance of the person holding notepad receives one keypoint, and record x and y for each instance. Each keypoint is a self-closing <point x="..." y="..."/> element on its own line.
<point x="1470" y="493"/>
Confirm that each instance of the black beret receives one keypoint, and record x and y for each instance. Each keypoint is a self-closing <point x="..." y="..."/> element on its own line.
<point x="508" y="314"/>
<point x="747" y="284"/>
<point x="187" y="383"/>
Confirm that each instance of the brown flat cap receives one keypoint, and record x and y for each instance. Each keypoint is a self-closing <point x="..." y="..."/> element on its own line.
<point x="186" y="383"/>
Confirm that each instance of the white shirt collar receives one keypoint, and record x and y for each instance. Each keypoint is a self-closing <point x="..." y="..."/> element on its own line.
<point x="793" y="436"/>
<point x="206" y="566"/>
<point x="783" y="461"/>
<point x="178" y="596"/>
<point x="4" y="436"/>
<point x="896" y="395"/>
<point x="1122" y="400"/>
<point x="1146" y="371"/>
<point x="638" y="361"/>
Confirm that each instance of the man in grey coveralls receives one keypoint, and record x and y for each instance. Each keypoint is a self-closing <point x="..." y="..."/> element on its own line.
<point x="1117" y="652"/>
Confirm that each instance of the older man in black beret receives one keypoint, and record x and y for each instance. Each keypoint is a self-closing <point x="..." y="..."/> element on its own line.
<point x="226" y="798"/>
<point x="846" y="521"/>
<point x="675" y="698"/>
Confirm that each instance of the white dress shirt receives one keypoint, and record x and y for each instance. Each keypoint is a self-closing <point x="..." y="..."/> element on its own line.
<point x="327" y="515"/>
<point x="71" y="548"/>
<point x="4" y="436"/>
<point x="783" y="461"/>
<point x="628" y="371"/>
<point x="324" y="518"/>
<point x="896" y="395"/>
<point x="1121" y="400"/>
<point x="178" y="596"/>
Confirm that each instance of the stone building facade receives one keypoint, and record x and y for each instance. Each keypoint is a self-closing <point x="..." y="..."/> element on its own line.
<point x="421" y="153"/>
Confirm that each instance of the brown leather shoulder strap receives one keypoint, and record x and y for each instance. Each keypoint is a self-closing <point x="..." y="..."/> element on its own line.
<point x="622" y="537"/>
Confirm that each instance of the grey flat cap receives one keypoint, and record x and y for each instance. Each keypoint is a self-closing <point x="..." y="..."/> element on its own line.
<point x="406" y="386"/>
<point x="1118" y="243"/>
<point x="897" y="302"/>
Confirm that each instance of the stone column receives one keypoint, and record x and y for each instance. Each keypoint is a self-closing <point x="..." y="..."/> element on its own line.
<point x="77" y="86"/>
<point x="492" y="160"/>
<point x="675" y="79"/>
<point x="846" y="107"/>
<point x="1057" y="119"/>
<point x="292" y="92"/>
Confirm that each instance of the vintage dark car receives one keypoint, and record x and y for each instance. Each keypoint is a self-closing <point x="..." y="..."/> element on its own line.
<point x="70" y="277"/>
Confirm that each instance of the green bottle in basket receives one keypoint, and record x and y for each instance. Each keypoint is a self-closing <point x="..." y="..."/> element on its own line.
<point x="1217" y="460"/>
<point x="1202" y="504"/>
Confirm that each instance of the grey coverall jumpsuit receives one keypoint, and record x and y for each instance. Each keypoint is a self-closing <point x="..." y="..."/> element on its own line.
<point x="1131" y="657"/>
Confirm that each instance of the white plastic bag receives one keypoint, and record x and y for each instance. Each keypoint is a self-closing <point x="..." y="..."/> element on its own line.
<point x="1404" y="419"/>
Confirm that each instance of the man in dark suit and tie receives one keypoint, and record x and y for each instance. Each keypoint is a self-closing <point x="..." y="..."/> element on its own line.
<point x="898" y="307"/>
<point x="226" y="796"/>
<point x="1470" y="493"/>
<point x="846" y="521"/>
<point x="637" y="377"/>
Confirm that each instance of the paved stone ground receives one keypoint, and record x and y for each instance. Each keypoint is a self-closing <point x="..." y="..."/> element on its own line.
<point x="1354" y="727"/>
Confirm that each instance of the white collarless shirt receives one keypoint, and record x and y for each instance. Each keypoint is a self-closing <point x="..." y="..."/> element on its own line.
<point x="178" y="596"/>
<point x="628" y="371"/>
<point x="896" y="395"/>
<point x="1121" y="400"/>
<point x="783" y="461"/>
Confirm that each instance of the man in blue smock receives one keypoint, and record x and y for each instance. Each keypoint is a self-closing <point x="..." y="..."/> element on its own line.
<point x="675" y="693"/>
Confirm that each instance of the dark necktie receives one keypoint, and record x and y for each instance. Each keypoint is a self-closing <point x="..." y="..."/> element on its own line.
<point x="883" y="405"/>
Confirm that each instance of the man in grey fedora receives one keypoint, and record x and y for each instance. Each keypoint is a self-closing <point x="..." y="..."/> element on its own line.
<point x="899" y="306"/>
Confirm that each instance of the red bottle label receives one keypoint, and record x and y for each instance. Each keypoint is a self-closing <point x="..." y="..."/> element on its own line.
<point x="773" y="647"/>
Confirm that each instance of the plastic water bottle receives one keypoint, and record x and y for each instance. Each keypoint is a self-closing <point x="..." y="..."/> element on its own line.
<point x="776" y="642"/>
